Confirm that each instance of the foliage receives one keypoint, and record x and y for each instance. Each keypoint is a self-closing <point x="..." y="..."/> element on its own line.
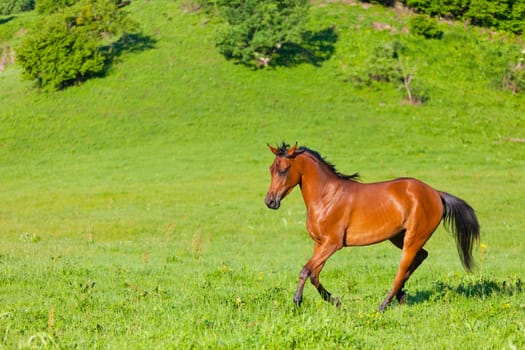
<point x="256" y="31"/>
<point x="388" y="64"/>
<point x="506" y="15"/>
<point x="57" y="56"/>
<point x="66" y="48"/>
<point x="453" y="9"/>
<point x="383" y="64"/>
<point x="8" y="7"/>
<point x="425" y="26"/>
<point x="52" y="6"/>
<point x="516" y="22"/>
<point x="488" y="13"/>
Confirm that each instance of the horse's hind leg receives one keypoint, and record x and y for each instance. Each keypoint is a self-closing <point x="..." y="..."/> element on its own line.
<point x="421" y="255"/>
<point x="412" y="256"/>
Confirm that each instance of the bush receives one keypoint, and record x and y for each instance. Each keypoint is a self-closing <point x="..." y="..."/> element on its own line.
<point x="381" y="66"/>
<point x="57" y="56"/>
<point x="257" y="30"/>
<point x="488" y="13"/>
<point x="425" y="26"/>
<point x="506" y="15"/>
<point x="8" y="7"/>
<point x="52" y="6"/>
<point x="388" y="64"/>
<point x="516" y="22"/>
<point x="439" y="8"/>
<point x="66" y="49"/>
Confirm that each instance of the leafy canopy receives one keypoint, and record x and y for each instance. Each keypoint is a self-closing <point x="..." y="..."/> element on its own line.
<point x="65" y="47"/>
<point x="255" y="31"/>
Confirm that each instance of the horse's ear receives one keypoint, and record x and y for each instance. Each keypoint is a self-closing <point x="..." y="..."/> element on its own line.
<point x="291" y="151"/>
<point x="273" y="149"/>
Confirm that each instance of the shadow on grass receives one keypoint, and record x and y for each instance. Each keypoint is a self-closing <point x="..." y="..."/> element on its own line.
<point x="6" y="19"/>
<point x="479" y="288"/>
<point x="134" y="42"/>
<point x="317" y="47"/>
<point x="387" y="3"/>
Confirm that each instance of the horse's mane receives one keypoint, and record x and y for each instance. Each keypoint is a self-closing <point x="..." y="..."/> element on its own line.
<point x="283" y="151"/>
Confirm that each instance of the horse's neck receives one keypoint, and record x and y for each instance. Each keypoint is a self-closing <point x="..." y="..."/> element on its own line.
<point x="316" y="179"/>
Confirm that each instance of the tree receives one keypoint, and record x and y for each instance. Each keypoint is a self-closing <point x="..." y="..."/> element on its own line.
<point x="8" y="7"/>
<point x="66" y="47"/>
<point x="255" y="31"/>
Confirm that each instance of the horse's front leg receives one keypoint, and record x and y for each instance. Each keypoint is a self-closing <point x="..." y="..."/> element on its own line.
<point x="326" y="295"/>
<point x="298" y="297"/>
<point x="313" y="268"/>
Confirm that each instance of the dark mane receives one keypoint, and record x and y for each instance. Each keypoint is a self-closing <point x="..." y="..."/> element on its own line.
<point x="315" y="154"/>
<point x="282" y="151"/>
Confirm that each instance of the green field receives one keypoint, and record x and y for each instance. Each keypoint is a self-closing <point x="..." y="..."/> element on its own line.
<point x="132" y="207"/>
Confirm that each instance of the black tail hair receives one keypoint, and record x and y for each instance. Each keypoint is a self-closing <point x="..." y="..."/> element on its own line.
<point x="460" y="218"/>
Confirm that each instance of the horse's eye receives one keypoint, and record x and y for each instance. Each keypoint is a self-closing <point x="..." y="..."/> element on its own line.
<point x="283" y="172"/>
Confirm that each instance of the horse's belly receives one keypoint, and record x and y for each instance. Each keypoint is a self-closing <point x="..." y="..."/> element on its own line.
<point x="370" y="229"/>
<point x="367" y="237"/>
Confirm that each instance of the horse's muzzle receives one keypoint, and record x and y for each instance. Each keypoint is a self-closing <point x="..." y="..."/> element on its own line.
<point x="272" y="202"/>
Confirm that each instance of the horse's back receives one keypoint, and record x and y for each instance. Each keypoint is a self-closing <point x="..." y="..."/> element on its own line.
<point x="403" y="190"/>
<point x="381" y="210"/>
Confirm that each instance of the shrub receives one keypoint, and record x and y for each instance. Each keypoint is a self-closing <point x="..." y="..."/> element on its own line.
<point x="381" y="66"/>
<point x="67" y="47"/>
<point x="425" y="26"/>
<point x="488" y="13"/>
<point x="387" y="64"/>
<point x="440" y="8"/>
<point x="57" y="56"/>
<point x="8" y="7"/>
<point x="257" y="30"/>
<point x="415" y="92"/>
<point x="506" y="15"/>
<point x="516" y="21"/>
<point x="52" y="6"/>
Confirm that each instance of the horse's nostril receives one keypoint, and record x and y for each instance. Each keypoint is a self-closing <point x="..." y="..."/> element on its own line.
<point x="271" y="202"/>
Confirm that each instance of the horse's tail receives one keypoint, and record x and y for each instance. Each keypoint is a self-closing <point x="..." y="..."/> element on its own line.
<point x="460" y="218"/>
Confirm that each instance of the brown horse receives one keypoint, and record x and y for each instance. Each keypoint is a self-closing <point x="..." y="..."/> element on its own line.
<point x="342" y="212"/>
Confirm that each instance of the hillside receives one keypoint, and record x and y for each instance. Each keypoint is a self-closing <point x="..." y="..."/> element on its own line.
<point x="179" y="101"/>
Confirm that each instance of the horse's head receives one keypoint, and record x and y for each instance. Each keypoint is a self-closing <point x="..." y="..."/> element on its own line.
<point x="284" y="175"/>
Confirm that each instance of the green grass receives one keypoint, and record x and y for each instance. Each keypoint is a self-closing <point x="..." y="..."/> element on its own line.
<point x="132" y="213"/>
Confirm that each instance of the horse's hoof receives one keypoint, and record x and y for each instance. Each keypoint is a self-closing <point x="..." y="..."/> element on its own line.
<point x="402" y="298"/>
<point x="297" y="301"/>
<point x="335" y="301"/>
<point x="383" y="307"/>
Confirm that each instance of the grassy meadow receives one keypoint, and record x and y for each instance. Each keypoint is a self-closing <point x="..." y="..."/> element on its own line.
<point x="132" y="206"/>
